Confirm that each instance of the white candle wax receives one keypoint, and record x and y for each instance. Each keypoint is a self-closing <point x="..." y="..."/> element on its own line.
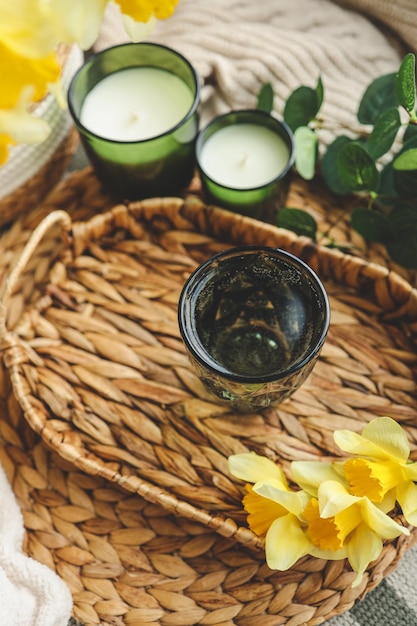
<point x="244" y="156"/>
<point x="136" y="104"/>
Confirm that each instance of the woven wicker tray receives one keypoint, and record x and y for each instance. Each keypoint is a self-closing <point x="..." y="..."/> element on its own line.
<point x="92" y="348"/>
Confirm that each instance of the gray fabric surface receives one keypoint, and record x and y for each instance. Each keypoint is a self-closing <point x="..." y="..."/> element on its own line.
<point x="393" y="601"/>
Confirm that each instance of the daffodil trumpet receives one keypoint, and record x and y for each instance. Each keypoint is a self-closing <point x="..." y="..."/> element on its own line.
<point x="336" y="510"/>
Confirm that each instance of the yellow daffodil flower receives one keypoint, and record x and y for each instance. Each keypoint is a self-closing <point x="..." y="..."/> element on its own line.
<point x="27" y="81"/>
<point x="286" y="539"/>
<point x="337" y="519"/>
<point x="18" y="73"/>
<point x="341" y="508"/>
<point x="380" y="469"/>
<point x="275" y="512"/>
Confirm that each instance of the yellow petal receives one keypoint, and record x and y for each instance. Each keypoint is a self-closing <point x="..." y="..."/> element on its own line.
<point x="407" y="498"/>
<point x="81" y="22"/>
<point x="329" y="555"/>
<point x="390" y="436"/>
<point x="310" y="474"/>
<point x="261" y="512"/>
<point x="292" y="501"/>
<point x="410" y="471"/>
<point x="252" y="468"/>
<point x="17" y="125"/>
<point x="4" y="148"/>
<point x="21" y="127"/>
<point x="363" y="547"/>
<point x="330" y="533"/>
<point x="18" y="73"/>
<point x="379" y="522"/>
<point x="333" y="498"/>
<point x="25" y="28"/>
<point x="285" y="543"/>
<point x="142" y="10"/>
<point x="46" y="24"/>
<point x="373" y="479"/>
<point x="382" y="439"/>
<point x="138" y="30"/>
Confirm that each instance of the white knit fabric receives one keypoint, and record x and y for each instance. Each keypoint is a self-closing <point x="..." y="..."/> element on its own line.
<point x="30" y="593"/>
<point x="236" y="46"/>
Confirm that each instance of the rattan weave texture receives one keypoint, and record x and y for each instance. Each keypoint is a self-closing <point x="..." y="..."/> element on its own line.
<point x="92" y="348"/>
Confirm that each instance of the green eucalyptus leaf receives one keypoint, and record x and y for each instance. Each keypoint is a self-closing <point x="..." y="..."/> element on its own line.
<point x="357" y="168"/>
<point x="329" y="169"/>
<point x="405" y="181"/>
<point x="319" y="93"/>
<point x="265" y="100"/>
<point x="406" y="160"/>
<point x="402" y="247"/>
<point x="306" y="151"/>
<point x="386" y="188"/>
<point x="379" y="96"/>
<point x="373" y="226"/>
<point x="384" y="133"/>
<point x="406" y="83"/>
<point x="410" y="133"/>
<point x="298" y="221"/>
<point x="303" y="105"/>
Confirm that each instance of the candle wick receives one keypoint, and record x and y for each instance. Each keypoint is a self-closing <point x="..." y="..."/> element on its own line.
<point x="243" y="160"/>
<point x="133" y="117"/>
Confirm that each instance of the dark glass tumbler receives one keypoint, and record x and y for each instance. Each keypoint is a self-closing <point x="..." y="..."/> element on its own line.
<point x="253" y="320"/>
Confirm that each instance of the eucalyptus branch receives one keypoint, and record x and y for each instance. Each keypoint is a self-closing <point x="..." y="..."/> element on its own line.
<point x="376" y="164"/>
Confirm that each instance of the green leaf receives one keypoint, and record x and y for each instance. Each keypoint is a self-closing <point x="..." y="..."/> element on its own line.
<point x="265" y="100"/>
<point x="306" y="151"/>
<point x="405" y="181"/>
<point x="405" y="86"/>
<point x="386" y="188"/>
<point x="378" y="97"/>
<point x="402" y="247"/>
<point x="406" y="160"/>
<point x="384" y="133"/>
<point x="410" y="133"/>
<point x="297" y="220"/>
<point x="329" y="169"/>
<point x="302" y="105"/>
<point x="373" y="226"/>
<point x="357" y="168"/>
<point x="319" y="93"/>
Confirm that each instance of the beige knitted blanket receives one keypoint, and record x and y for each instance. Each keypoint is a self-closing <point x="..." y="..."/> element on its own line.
<point x="237" y="45"/>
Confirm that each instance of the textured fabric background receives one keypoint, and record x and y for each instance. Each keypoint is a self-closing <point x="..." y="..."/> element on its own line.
<point x="236" y="46"/>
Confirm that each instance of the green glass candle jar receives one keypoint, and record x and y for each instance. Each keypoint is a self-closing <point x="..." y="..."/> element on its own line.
<point x="244" y="159"/>
<point x="254" y="320"/>
<point x="135" y="106"/>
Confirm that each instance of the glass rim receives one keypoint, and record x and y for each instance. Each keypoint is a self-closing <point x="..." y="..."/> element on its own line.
<point x="203" y="356"/>
<point x="93" y="58"/>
